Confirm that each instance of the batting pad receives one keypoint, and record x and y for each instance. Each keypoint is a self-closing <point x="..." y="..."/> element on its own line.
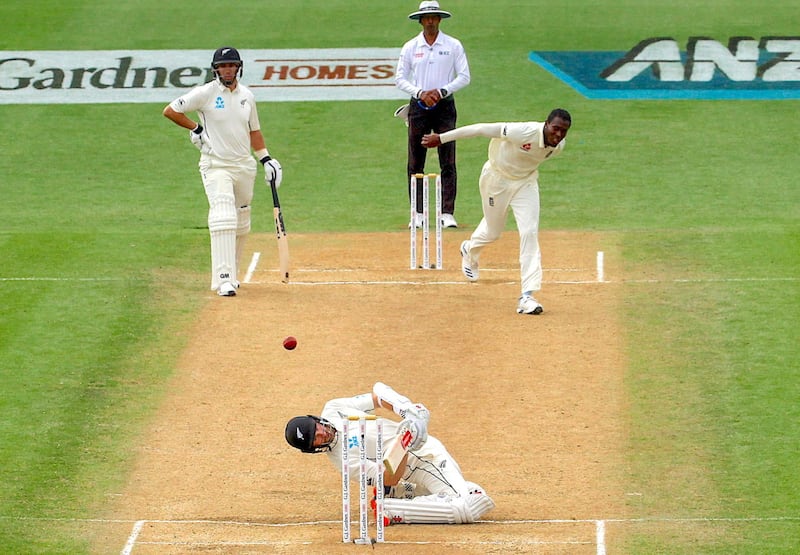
<point x="441" y="508"/>
<point x="222" y="223"/>
<point x="242" y="230"/>
<point x="476" y="505"/>
<point x="428" y="509"/>
<point x="243" y="220"/>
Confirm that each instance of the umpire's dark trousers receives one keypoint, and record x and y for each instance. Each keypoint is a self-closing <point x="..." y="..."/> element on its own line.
<point x="439" y="119"/>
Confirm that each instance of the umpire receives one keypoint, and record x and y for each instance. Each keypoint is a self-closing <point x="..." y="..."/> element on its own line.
<point x="432" y="67"/>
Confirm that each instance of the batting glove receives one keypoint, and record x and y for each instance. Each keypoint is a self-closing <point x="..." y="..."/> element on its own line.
<point x="416" y="411"/>
<point x="273" y="173"/>
<point x="201" y="140"/>
<point x="418" y="429"/>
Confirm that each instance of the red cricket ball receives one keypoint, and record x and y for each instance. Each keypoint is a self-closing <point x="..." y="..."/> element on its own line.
<point x="289" y="343"/>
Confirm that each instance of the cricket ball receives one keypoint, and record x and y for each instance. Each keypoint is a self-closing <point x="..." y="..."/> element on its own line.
<point x="289" y="343"/>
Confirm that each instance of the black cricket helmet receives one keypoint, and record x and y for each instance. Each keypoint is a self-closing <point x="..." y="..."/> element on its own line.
<point x="226" y="55"/>
<point x="301" y="430"/>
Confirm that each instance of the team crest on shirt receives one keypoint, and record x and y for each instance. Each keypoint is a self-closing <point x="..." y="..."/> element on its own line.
<point x="526" y="147"/>
<point x="219" y="103"/>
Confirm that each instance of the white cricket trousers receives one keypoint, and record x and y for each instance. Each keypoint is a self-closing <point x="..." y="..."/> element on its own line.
<point x="435" y="472"/>
<point x="498" y="194"/>
<point x="229" y="189"/>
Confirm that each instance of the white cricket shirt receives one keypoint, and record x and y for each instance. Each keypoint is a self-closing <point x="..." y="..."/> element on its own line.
<point x="227" y="116"/>
<point x="336" y="410"/>
<point x="516" y="148"/>
<point x="422" y="67"/>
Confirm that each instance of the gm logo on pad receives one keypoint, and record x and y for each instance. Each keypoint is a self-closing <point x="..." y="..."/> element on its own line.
<point x="656" y="68"/>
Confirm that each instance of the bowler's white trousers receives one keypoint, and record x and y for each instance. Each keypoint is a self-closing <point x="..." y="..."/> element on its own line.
<point x="498" y="194"/>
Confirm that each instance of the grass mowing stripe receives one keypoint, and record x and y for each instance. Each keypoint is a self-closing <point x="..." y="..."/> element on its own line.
<point x="83" y="395"/>
<point x="713" y="371"/>
<point x="82" y="364"/>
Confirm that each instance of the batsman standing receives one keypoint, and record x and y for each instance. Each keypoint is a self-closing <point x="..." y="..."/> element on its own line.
<point x="426" y="488"/>
<point x="510" y="179"/>
<point x="227" y="132"/>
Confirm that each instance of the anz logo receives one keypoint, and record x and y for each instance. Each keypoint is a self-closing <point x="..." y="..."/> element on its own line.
<point x="744" y="68"/>
<point x="739" y="61"/>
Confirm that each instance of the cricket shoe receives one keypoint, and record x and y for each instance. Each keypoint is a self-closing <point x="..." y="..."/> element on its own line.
<point x="529" y="305"/>
<point x="468" y="267"/>
<point x="388" y="518"/>
<point x="449" y="221"/>
<point x="226" y="289"/>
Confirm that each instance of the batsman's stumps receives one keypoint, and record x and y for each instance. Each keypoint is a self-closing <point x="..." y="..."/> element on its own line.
<point x="363" y="505"/>
<point x="426" y="227"/>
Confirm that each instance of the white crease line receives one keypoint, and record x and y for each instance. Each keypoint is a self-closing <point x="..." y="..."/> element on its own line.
<point x="600" y="266"/>
<point x="252" y="267"/>
<point x="544" y="282"/>
<point x="600" y="531"/>
<point x="600" y="537"/>
<point x="600" y="527"/>
<point x="381" y="283"/>
<point x="137" y="528"/>
<point x="286" y="543"/>
<point x="784" y="518"/>
<point x="390" y="282"/>
<point x="353" y="270"/>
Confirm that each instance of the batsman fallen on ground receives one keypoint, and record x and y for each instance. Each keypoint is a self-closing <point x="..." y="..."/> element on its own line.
<point x="427" y="486"/>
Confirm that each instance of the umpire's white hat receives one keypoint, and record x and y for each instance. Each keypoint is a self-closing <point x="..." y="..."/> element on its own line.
<point x="428" y="7"/>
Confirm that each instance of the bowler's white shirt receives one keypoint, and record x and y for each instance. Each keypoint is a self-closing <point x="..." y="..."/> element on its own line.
<point x="442" y="65"/>
<point x="227" y="116"/>
<point x="516" y="148"/>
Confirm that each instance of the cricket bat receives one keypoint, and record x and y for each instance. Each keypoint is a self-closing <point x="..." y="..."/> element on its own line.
<point x="280" y="230"/>
<point x="395" y="451"/>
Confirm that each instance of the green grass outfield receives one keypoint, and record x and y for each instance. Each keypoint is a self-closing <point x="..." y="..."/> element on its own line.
<point x="102" y="218"/>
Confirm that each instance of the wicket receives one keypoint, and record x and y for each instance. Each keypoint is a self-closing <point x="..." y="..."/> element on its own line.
<point x="426" y="228"/>
<point x="363" y="504"/>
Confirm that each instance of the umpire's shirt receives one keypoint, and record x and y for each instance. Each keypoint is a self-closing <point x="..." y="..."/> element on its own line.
<point x="442" y="65"/>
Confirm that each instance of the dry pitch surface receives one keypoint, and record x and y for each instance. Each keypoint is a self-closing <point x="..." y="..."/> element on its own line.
<point x="531" y="406"/>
